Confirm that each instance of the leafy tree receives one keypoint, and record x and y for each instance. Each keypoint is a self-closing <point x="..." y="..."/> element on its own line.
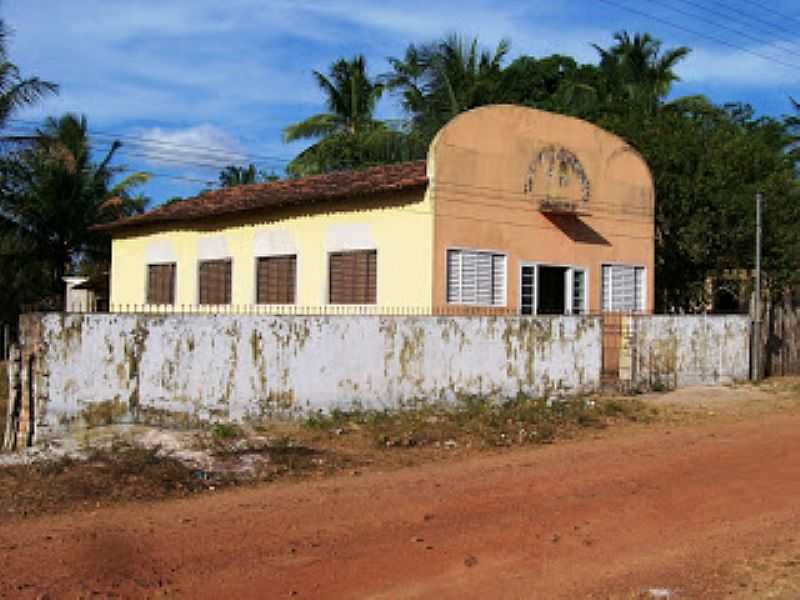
<point x="234" y="175"/>
<point x="708" y="163"/>
<point x="21" y="269"/>
<point x="554" y="83"/>
<point x="341" y="151"/>
<point x="53" y="193"/>
<point x="439" y="80"/>
<point x="17" y="91"/>
<point x="351" y="97"/>
<point x="637" y="75"/>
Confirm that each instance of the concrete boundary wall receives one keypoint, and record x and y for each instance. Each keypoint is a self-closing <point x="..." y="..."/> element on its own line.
<point x="100" y="369"/>
<point x="75" y="370"/>
<point x="678" y="351"/>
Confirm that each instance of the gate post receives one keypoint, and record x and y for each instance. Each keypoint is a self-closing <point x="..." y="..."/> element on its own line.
<point x="14" y="398"/>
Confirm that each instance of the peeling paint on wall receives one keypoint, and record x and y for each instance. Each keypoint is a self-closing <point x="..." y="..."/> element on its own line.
<point x="86" y="370"/>
<point x="677" y="351"/>
<point x="133" y="367"/>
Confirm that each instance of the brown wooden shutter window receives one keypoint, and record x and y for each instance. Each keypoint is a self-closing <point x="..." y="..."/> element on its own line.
<point x="352" y="277"/>
<point x="275" y="279"/>
<point x="215" y="281"/>
<point x="161" y="284"/>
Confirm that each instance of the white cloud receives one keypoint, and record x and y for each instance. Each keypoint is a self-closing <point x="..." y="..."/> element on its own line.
<point x="727" y="66"/>
<point x="231" y="75"/>
<point x="204" y="144"/>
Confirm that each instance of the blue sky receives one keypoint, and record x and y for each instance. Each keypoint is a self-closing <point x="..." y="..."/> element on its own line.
<point x="225" y="77"/>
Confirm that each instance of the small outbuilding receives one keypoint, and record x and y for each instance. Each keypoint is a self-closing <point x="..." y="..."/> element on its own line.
<point x="514" y="209"/>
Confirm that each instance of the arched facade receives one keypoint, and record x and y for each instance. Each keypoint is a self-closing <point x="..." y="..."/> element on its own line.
<point x="541" y="213"/>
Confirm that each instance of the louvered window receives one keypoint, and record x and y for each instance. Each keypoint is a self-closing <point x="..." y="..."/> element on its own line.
<point x="475" y="277"/>
<point x="578" y="291"/>
<point x="215" y="281"/>
<point x="528" y="290"/>
<point x="161" y="284"/>
<point x="353" y="277"/>
<point x="623" y="288"/>
<point x="275" y="279"/>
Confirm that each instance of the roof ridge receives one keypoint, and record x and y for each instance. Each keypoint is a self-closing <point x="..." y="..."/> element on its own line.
<point x="369" y="181"/>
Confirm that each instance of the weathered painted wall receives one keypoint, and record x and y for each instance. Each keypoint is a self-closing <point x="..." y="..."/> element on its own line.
<point x="87" y="370"/>
<point x="109" y="368"/>
<point x="677" y="351"/>
<point x="488" y="184"/>
<point x="399" y="227"/>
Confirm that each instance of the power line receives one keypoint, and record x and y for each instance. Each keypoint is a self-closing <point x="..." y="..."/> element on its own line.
<point x="669" y="23"/>
<point x="752" y="17"/>
<point x="525" y="200"/>
<point x="165" y="175"/>
<point x="152" y="141"/>
<point x="769" y="10"/>
<point x="159" y="157"/>
<point x="170" y="145"/>
<point x="720" y="25"/>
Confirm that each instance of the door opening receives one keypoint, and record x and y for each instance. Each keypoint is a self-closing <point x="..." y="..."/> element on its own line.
<point x="552" y="291"/>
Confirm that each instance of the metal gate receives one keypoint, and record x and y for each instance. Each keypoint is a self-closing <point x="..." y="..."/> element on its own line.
<point x="612" y="346"/>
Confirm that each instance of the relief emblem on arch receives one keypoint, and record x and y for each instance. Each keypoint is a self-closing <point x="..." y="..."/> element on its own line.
<point x="557" y="177"/>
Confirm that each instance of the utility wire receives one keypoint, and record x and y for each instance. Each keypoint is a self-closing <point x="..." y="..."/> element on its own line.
<point x="157" y="155"/>
<point x="716" y="39"/>
<point x="769" y="10"/>
<point x="717" y="24"/>
<point x="166" y="144"/>
<point x="737" y="31"/>
<point x="751" y="17"/>
<point x="166" y="176"/>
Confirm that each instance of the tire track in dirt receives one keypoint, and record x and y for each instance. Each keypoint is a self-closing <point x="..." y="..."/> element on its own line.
<point x="655" y="508"/>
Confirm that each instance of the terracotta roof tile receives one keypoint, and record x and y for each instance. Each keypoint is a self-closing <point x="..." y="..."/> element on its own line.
<point x="340" y="185"/>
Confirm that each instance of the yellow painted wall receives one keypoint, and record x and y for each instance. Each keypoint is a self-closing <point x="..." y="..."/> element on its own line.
<point x="400" y="226"/>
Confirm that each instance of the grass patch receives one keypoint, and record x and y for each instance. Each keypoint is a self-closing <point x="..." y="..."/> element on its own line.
<point x="226" y="431"/>
<point x="659" y="387"/>
<point x="481" y="421"/>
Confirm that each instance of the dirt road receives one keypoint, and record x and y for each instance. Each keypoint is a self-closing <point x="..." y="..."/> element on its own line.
<point x="683" y="509"/>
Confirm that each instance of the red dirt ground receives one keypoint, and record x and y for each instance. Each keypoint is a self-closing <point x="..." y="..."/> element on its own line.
<point x="681" y="507"/>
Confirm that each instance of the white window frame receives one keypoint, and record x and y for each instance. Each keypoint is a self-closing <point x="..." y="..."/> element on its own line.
<point x="645" y="279"/>
<point x="571" y="289"/>
<point x="569" y="283"/>
<point x="491" y="253"/>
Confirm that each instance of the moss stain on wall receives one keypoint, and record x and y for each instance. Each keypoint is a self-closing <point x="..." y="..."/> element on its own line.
<point x="412" y="353"/>
<point x="107" y="412"/>
<point x="134" y="349"/>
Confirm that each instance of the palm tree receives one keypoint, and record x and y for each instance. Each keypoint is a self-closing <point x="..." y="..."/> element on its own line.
<point x="441" y="79"/>
<point x="636" y="71"/>
<point x="16" y="91"/>
<point x="347" y="135"/>
<point x="53" y="193"/>
<point x="350" y="96"/>
<point x="233" y="175"/>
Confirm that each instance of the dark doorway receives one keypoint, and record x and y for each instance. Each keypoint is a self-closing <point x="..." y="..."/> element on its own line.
<point x="726" y="300"/>
<point x="552" y="291"/>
